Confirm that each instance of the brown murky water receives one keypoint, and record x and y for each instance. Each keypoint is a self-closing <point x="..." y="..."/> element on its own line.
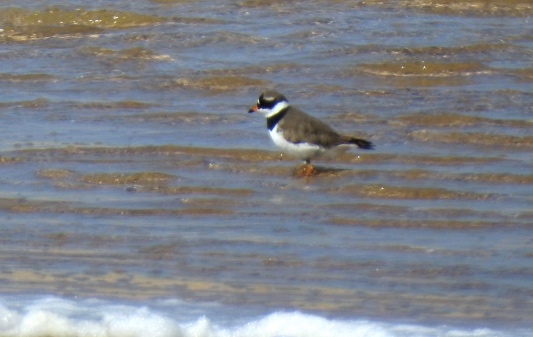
<point x="130" y="168"/>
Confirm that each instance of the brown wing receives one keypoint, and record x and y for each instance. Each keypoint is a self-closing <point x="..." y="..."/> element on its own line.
<point x="299" y="127"/>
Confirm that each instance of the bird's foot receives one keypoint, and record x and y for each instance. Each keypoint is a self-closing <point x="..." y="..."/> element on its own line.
<point x="305" y="170"/>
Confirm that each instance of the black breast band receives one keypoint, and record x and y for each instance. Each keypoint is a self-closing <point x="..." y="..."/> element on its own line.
<point x="272" y="121"/>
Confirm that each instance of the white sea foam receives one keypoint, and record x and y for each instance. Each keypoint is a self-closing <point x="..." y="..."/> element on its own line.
<point x="55" y="317"/>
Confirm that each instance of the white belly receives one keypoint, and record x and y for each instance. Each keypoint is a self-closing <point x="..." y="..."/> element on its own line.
<point x="300" y="151"/>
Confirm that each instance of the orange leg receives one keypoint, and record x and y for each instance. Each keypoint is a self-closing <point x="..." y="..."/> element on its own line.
<point x="306" y="170"/>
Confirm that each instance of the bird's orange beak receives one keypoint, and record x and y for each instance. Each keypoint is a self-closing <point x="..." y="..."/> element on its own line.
<point x="253" y="109"/>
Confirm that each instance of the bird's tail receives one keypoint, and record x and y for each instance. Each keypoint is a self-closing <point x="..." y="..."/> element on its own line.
<point x="361" y="143"/>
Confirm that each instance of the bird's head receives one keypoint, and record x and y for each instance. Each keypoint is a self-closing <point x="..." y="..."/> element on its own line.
<point x="270" y="102"/>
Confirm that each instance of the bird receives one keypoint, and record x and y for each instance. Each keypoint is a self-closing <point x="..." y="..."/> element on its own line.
<point x="301" y="135"/>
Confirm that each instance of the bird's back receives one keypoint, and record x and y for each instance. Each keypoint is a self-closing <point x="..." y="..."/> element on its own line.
<point x="299" y="127"/>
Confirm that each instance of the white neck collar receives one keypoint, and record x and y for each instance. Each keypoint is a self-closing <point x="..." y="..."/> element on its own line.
<point x="277" y="108"/>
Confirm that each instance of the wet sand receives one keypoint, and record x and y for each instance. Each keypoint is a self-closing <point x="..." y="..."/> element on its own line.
<point x="131" y="170"/>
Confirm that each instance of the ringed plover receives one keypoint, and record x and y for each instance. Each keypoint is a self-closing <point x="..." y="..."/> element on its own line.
<point x="299" y="134"/>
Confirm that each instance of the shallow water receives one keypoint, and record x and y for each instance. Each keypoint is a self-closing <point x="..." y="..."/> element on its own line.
<point x="132" y="176"/>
